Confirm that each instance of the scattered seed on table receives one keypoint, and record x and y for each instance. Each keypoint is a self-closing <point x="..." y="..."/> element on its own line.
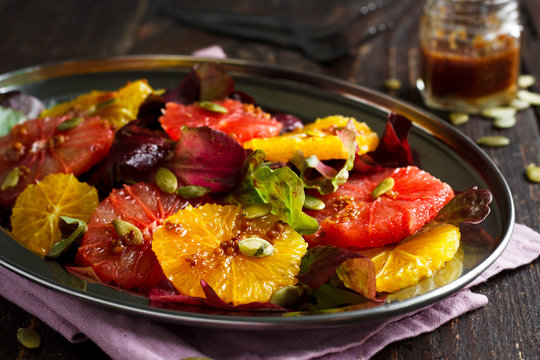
<point x="493" y="141"/>
<point x="519" y="104"/>
<point x="529" y="96"/>
<point x="525" y="81"/>
<point x="392" y="84"/>
<point x="505" y="122"/>
<point x="29" y="338"/>
<point x="533" y="173"/>
<point x="500" y="111"/>
<point x="458" y="119"/>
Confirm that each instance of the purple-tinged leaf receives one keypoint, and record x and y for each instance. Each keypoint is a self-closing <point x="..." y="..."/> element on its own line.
<point x="150" y="111"/>
<point x="289" y="122"/>
<point x="209" y="158"/>
<point x="471" y="206"/>
<point x="165" y="294"/>
<point x="207" y="81"/>
<point x="135" y="155"/>
<point x="29" y="105"/>
<point x="327" y="176"/>
<point x="393" y="149"/>
<point x="319" y="264"/>
<point x="358" y="274"/>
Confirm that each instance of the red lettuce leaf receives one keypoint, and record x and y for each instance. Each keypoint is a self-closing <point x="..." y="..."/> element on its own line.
<point x="207" y="81"/>
<point x="209" y="158"/>
<point x="393" y="149"/>
<point x="319" y="264"/>
<point x="289" y="122"/>
<point x="470" y="206"/>
<point x="165" y="294"/>
<point x="29" y="105"/>
<point x="135" y="155"/>
<point x="358" y="274"/>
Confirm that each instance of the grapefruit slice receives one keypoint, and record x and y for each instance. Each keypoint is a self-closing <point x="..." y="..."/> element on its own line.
<point x="206" y="243"/>
<point x="352" y="218"/>
<point x="114" y="260"/>
<point x="241" y="121"/>
<point x="38" y="148"/>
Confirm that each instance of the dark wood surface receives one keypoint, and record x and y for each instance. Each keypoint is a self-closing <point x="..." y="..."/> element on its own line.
<point x="33" y="32"/>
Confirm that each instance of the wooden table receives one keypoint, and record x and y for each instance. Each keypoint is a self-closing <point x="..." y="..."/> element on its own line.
<point x="508" y="327"/>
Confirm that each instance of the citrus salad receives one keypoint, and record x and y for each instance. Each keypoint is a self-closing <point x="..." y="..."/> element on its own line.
<point x="198" y="196"/>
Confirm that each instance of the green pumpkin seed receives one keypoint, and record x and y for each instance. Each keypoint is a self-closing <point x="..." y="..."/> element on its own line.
<point x="458" y="119"/>
<point x="11" y="180"/>
<point x="256" y="247"/>
<point x="314" y="133"/>
<point x="69" y="237"/>
<point x="313" y="203"/>
<point x="29" y="338"/>
<point x="525" y="81"/>
<point x="257" y="210"/>
<point x="505" y="122"/>
<point x="69" y="124"/>
<point x="212" y="106"/>
<point x="493" y="141"/>
<point x="531" y="97"/>
<point x="192" y="191"/>
<point x="129" y="233"/>
<point x="383" y="187"/>
<point x="105" y="103"/>
<point x="288" y="296"/>
<point x="533" y="173"/>
<point x="392" y="84"/>
<point x="166" y="180"/>
<point x="519" y="104"/>
<point x="501" y="111"/>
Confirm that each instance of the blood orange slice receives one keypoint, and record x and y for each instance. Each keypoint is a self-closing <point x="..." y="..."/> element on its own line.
<point x="114" y="260"/>
<point x="38" y="148"/>
<point x="352" y="218"/>
<point x="241" y="121"/>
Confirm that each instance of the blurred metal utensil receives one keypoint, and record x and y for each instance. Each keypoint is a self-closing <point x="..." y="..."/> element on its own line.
<point x="284" y="32"/>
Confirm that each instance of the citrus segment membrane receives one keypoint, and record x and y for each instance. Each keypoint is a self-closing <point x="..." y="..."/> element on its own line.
<point x="202" y="244"/>
<point x="36" y="212"/>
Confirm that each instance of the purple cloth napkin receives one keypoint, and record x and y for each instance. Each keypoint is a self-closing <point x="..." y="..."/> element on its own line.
<point x="127" y="337"/>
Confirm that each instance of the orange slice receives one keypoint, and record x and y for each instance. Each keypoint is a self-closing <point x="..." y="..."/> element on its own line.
<point x="202" y="243"/>
<point x="118" y="107"/>
<point x="318" y="138"/>
<point x="34" y="220"/>
<point x="415" y="258"/>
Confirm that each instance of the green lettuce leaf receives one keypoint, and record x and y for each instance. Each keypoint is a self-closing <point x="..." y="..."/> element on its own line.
<point x="9" y="118"/>
<point x="326" y="178"/>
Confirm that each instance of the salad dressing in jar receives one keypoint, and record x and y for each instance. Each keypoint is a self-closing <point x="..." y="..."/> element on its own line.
<point x="469" y="54"/>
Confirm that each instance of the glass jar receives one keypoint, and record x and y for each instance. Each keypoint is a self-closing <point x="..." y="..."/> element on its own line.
<point x="469" y="54"/>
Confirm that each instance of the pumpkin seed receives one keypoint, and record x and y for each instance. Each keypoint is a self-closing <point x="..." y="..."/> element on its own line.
<point x="11" y="180"/>
<point x="257" y="210"/>
<point x="69" y="124"/>
<point x="192" y="191"/>
<point x="166" y="180"/>
<point x="519" y="104"/>
<point x="314" y="133"/>
<point x="505" y="122"/>
<point x="76" y="231"/>
<point x="458" y="119"/>
<point x="212" y="106"/>
<point x="392" y="84"/>
<point x="525" y="81"/>
<point x="313" y="203"/>
<point x="496" y="112"/>
<point x="129" y="233"/>
<point x="531" y="97"/>
<point x="29" y="338"/>
<point x="493" y="141"/>
<point x="105" y="103"/>
<point x="256" y="247"/>
<point x="288" y="296"/>
<point x="383" y="187"/>
<point x="533" y="173"/>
